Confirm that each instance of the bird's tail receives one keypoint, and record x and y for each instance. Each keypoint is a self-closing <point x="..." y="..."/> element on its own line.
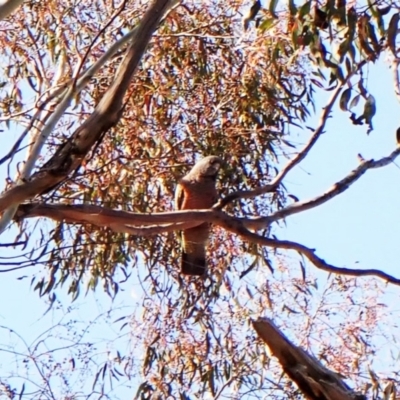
<point x="193" y="264"/>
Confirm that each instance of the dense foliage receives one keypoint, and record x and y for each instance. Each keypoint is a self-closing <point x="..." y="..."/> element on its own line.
<point x="213" y="80"/>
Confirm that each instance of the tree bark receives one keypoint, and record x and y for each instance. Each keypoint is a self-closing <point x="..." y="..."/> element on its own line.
<point x="107" y="113"/>
<point x="314" y="380"/>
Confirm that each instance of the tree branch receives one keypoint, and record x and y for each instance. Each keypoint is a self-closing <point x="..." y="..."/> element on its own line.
<point x="336" y="189"/>
<point x="246" y="194"/>
<point x="314" y="259"/>
<point x="145" y="224"/>
<point x="396" y="77"/>
<point x="107" y="113"/>
<point x="154" y="229"/>
<point x="313" y="379"/>
<point x="8" y="6"/>
<point x="102" y="216"/>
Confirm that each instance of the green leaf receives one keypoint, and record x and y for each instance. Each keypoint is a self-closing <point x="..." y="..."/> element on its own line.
<point x="373" y="38"/>
<point x="339" y="74"/>
<point x="348" y="65"/>
<point x="344" y="99"/>
<point x="272" y="8"/>
<point x="255" y="8"/>
<point x="267" y="24"/>
<point x="369" y="111"/>
<point x="317" y="83"/>
<point x="343" y="48"/>
<point x="369" y="108"/>
<point x="352" y="53"/>
<point x="373" y="9"/>
<point x="292" y="8"/>
<point x="392" y="32"/>
<point x="355" y="101"/>
<point x="295" y="33"/>
<point x="305" y="9"/>
<point x="385" y="10"/>
<point x="333" y="78"/>
<point x="363" y="38"/>
<point x="339" y="13"/>
<point x="381" y="25"/>
<point x="351" y="23"/>
<point x="319" y="73"/>
<point x="378" y="13"/>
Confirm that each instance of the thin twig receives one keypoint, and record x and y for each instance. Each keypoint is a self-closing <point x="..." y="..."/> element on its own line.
<point x="316" y="260"/>
<point x="338" y="188"/>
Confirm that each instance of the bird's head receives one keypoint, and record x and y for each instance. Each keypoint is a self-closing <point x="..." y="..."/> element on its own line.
<point x="207" y="166"/>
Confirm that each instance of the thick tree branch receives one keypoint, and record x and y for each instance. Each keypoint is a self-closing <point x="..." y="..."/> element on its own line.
<point x="314" y="380"/>
<point x="153" y="230"/>
<point x="61" y="92"/>
<point x="145" y="224"/>
<point x="41" y="137"/>
<point x="8" y="6"/>
<point x="73" y="90"/>
<point x="107" y="113"/>
<point x="102" y="216"/>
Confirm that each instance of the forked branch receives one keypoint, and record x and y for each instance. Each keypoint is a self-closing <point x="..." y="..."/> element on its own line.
<point x="150" y="224"/>
<point x="107" y="113"/>
<point x="335" y="190"/>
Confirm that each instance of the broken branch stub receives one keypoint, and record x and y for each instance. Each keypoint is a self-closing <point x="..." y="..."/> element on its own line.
<point x="314" y="380"/>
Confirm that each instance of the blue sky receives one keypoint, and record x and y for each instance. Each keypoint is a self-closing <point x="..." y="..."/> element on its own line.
<point x="362" y="225"/>
<point x="359" y="228"/>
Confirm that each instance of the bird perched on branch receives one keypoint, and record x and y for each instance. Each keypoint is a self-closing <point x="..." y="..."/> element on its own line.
<point x="194" y="191"/>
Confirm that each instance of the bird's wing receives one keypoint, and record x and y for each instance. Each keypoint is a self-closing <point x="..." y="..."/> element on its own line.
<point x="179" y="196"/>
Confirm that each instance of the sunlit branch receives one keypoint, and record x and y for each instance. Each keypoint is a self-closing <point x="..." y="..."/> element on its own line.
<point x="153" y="230"/>
<point x="126" y="221"/>
<point x="72" y="91"/>
<point x="396" y="77"/>
<point x="312" y="378"/>
<point x="102" y="216"/>
<point x="144" y="224"/>
<point x="8" y="6"/>
<point x="245" y="194"/>
<point x="70" y="155"/>
<point x="336" y="189"/>
<point x="41" y="138"/>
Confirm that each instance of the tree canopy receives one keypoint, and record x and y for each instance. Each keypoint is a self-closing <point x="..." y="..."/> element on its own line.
<point x="105" y="105"/>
